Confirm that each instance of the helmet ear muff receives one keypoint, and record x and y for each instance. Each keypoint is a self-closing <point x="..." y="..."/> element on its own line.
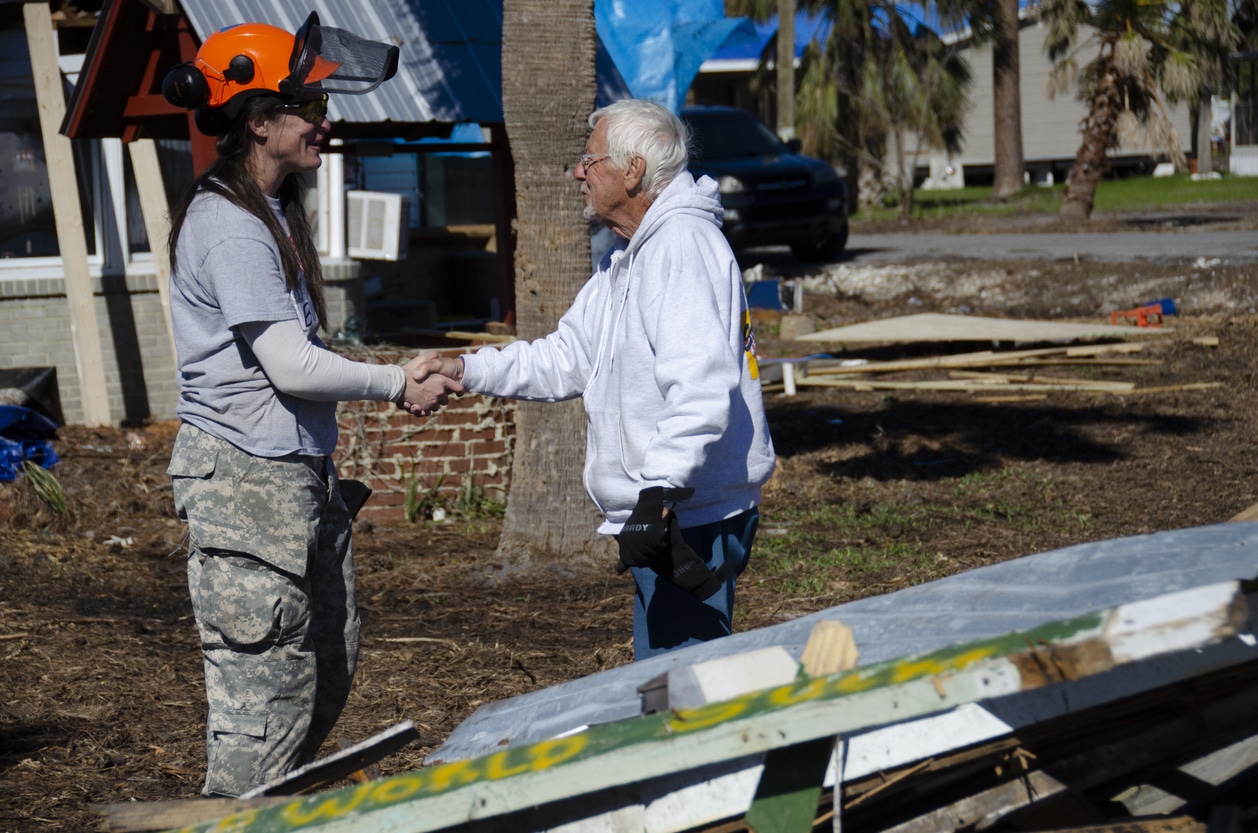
<point x="185" y="86"/>
<point x="212" y="122"/>
<point x="239" y="70"/>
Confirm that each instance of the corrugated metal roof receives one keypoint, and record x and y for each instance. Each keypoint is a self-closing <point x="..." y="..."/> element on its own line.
<point x="450" y="66"/>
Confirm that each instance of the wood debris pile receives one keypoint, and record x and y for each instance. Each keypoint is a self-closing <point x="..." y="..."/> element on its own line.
<point x="999" y="376"/>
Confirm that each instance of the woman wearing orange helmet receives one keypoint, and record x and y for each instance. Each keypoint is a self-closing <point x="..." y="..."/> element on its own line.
<point x="270" y="566"/>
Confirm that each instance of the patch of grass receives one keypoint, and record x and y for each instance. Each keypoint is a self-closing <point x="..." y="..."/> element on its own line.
<point x="1133" y="193"/>
<point x="418" y="506"/>
<point x="816" y="552"/>
<point x="45" y="485"/>
<point x="971" y="201"/>
<point x="1024" y="499"/>
<point x="1020" y="517"/>
<point x="1144" y="192"/>
<point x="474" y="503"/>
<point x="806" y="552"/>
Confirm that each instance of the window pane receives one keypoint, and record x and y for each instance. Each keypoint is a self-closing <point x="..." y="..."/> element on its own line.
<point x="27" y="225"/>
<point x="458" y="189"/>
<point x="26" y="222"/>
<point x="137" y="235"/>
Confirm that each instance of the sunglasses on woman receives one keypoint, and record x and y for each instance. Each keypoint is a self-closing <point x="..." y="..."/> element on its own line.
<point x="313" y="111"/>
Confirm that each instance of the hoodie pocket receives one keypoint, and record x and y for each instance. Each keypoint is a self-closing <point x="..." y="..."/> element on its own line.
<point x="606" y="448"/>
<point x="609" y="481"/>
<point x="631" y="456"/>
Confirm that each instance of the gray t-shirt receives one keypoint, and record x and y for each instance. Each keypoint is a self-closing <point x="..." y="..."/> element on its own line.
<point x="228" y="273"/>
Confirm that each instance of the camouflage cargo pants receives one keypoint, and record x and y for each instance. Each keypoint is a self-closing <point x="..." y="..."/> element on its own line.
<point x="271" y="574"/>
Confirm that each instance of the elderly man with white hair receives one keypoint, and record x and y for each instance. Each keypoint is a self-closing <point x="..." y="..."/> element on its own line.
<point x="659" y="346"/>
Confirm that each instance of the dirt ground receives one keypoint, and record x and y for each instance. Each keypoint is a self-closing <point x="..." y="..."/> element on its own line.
<point x="100" y="678"/>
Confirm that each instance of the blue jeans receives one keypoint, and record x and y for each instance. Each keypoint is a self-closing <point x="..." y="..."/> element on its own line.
<point x="665" y="617"/>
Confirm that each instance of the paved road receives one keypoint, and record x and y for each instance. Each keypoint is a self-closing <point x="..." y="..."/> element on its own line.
<point x="1231" y="246"/>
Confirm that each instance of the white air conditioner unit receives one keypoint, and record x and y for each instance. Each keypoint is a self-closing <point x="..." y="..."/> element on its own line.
<point x="376" y="224"/>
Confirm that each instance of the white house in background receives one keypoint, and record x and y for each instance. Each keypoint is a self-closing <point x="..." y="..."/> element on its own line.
<point x="1050" y="125"/>
<point x="1242" y="132"/>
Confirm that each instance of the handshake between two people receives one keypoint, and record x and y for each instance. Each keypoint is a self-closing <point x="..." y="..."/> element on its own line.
<point x="430" y="379"/>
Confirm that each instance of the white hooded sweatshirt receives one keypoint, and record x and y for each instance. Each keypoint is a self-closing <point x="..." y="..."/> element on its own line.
<point x="659" y="345"/>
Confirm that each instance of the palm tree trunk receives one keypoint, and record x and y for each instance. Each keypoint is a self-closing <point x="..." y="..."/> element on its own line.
<point x="548" y="91"/>
<point x="904" y="174"/>
<point x="1091" y="161"/>
<point x="871" y="190"/>
<point x="1007" y="104"/>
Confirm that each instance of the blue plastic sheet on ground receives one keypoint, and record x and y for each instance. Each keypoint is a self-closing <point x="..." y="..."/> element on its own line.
<point x="24" y="435"/>
<point x="658" y="45"/>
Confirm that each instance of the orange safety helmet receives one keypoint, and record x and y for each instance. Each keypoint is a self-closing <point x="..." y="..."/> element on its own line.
<point x="249" y="59"/>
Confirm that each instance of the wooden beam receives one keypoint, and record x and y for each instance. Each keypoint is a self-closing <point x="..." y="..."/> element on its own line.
<point x="162" y="6"/>
<point x="334" y="767"/>
<point x="1250" y="514"/>
<point x="71" y="242"/>
<point x="930" y="326"/>
<point x="141" y="817"/>
<point x="983" y="358"/>
<point x="133" y="817"/>
<point x="144" y="105"/>
<point x="152" y="193"/>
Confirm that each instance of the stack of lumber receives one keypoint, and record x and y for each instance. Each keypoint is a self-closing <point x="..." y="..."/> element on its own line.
<point x="1003" y="372"/>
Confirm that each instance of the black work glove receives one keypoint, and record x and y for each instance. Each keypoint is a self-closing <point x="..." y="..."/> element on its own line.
<point x="647" y="538"/>
<point x="653" y="539"/>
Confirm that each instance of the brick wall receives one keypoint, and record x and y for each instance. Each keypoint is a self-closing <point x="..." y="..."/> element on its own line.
<point x="140" y="378"/>
<point x="467" y="444"/>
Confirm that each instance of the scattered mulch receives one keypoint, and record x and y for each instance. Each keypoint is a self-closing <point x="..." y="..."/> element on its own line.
<point x="99" y="666"/>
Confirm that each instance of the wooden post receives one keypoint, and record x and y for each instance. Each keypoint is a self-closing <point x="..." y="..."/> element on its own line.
<point x="152" y="192"/>
<point x="65" y="203"/>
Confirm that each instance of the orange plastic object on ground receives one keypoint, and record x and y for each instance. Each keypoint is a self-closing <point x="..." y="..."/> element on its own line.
<point x="1146" y="316"/>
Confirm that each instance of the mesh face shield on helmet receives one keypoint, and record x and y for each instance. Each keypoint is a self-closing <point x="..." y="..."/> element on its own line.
<point x="248" y="59"/>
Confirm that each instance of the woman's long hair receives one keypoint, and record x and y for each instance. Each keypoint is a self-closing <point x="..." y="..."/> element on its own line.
<point x="229" y="177"/>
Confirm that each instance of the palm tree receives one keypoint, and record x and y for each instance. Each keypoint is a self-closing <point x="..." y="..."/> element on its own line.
<point x="1007" y="178"/>
<point x="1149" y="53"/>
<point x="912" y="90"/>
<point x="548" y="514"/>
<point x="875" y="81"/>
<point x="1203" y="30"/>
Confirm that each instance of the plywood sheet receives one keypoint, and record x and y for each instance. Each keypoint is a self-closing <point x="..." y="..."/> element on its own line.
<point x="933" y="326"/>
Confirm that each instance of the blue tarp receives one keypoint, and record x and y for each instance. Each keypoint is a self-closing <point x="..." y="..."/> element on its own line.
<point x="748" y="45"/>
<point x="24" y="435"/>
<point x="658" y="45"/>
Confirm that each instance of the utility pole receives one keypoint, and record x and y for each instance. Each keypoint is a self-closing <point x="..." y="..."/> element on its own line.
<point x="786" y="69"/>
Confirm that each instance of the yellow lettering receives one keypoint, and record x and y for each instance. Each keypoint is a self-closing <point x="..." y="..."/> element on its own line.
<point x="496" y="766"/>
<point x="452" y="775"/>
<point x="550" y="752"/>
<point x="853" y="683"/>
<point x="692" y="720"/>
<point x="912" y="670"/>
<point x="333" y="807"/>
<point x="398" y="788"/>
<point x="237" y="822"/>
<point x="797" y="693"/>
